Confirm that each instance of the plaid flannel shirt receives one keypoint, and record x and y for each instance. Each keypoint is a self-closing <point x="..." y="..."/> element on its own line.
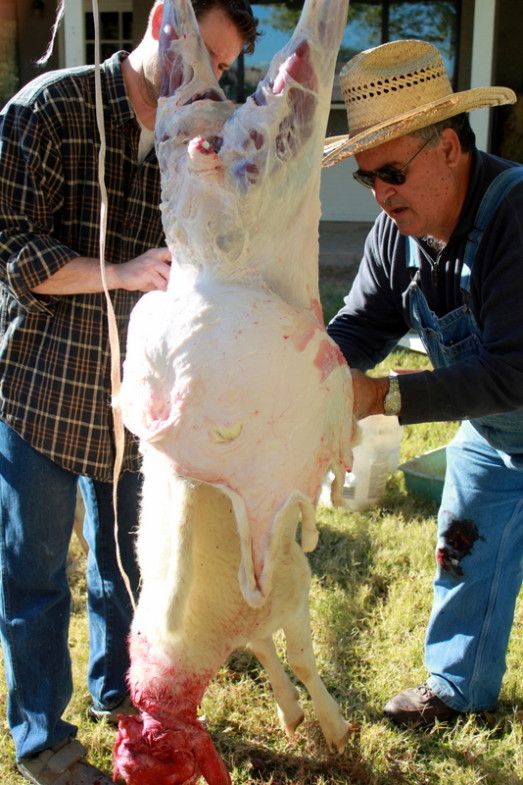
<point x="54" y="351"/>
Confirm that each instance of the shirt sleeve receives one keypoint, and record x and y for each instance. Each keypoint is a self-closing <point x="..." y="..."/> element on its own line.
<point x="31" y="193"/>
<point x="371" y="322"/>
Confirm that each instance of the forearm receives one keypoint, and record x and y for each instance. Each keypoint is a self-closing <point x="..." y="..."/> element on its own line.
<point x="80" y="275"/>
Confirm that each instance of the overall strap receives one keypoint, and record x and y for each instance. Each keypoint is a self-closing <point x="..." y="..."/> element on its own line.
<point x="497" y="190"/>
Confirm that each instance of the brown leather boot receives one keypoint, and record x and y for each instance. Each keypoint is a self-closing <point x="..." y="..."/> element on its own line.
<point x="418" y="706"/>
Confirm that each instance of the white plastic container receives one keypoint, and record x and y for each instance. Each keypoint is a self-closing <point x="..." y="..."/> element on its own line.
<point x="374" y="458"/>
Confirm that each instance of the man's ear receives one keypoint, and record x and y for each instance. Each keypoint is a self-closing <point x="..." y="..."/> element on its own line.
<point x="156" y="21"/>
<point x="451" y="146"/>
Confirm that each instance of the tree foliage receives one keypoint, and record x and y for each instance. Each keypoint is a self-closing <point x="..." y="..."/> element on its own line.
<point x="430" y="20"/>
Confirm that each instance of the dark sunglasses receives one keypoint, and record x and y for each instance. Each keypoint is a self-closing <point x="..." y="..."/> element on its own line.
<point x="389" y="174"/>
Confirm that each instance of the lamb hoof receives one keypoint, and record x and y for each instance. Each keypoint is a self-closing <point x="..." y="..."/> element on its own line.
<point x="338" y="745"/>
<point x="289" y="724"/>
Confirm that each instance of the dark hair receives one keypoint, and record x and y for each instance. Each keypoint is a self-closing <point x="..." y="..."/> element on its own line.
<point x="459" y="123"/>
<point x="239" y="12"/>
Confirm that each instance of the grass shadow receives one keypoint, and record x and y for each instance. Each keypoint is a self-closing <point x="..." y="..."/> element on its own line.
<point x="303" y="761"/>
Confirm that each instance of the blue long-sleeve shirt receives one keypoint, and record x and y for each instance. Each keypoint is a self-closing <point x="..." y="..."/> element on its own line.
<point x="375" y="315"/>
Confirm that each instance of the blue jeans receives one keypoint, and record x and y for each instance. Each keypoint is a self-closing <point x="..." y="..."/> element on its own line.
<point x="37" y="506"/>
<point x="479" y="574"/>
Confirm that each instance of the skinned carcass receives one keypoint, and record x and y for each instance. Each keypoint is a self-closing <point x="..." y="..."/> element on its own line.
<point x="239" y="398"/>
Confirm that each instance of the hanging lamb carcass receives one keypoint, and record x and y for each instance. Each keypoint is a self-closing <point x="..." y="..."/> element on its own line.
<point x="240" y="399"/>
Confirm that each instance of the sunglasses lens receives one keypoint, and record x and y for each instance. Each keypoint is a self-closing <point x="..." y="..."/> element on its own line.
<point x="364" y="178"/>
<point x="391" y="176"/>
<point x="388" y="175"/>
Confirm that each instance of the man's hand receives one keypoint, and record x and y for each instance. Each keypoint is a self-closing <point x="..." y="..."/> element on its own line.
<point x="369" y="393"/>
<point x="146" y="273"/>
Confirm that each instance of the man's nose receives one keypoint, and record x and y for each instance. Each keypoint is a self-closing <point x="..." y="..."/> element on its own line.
<point x="382" y="190"/>
<point x="215" y="67"/>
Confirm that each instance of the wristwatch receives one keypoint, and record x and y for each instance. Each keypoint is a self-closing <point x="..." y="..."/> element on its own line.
<point x="392" y="401"/>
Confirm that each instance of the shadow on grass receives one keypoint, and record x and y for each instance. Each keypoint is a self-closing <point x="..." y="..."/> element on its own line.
<point x="401" y="758"/>
<point x="261" y="764"/>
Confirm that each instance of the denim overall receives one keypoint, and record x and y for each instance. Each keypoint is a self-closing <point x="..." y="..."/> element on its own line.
<point x="480" y="522"/>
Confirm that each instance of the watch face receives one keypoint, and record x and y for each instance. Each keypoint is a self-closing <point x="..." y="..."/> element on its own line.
<point x="392" y="401"/>
<point x="392" y="404"/>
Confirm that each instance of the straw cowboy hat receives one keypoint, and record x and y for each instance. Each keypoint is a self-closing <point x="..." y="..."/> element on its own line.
<point x="397" y="88"/>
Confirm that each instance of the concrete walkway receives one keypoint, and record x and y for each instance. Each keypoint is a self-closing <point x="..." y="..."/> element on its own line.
<point x="341" y="246"/>
<point x="341" y="249"/>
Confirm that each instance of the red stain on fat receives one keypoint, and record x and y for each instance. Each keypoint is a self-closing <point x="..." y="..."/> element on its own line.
<point x="317" y="310"/>
<point x="303" y="331"/>
<point x="328" y="358"/>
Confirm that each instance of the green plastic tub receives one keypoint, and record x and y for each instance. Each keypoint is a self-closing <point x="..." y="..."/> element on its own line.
<point x="424" y="474"/>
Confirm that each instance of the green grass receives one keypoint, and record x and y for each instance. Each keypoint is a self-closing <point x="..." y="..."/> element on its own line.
<point x="370" y="599"/>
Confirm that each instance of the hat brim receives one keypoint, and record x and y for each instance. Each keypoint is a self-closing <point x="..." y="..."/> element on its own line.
<point x="337" y="148"/>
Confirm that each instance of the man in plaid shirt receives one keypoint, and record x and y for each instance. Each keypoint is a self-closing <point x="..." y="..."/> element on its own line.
<point x="56" y="427"/>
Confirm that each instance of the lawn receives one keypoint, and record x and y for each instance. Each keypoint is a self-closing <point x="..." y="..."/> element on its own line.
<point x="370" y="599"/>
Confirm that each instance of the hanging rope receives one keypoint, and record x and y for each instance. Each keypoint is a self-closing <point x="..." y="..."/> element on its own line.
<point x="114" y="343"/>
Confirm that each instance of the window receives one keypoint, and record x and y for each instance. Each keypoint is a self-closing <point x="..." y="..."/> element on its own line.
<point x="369" y="24"/>
<point x="116" y="32"/>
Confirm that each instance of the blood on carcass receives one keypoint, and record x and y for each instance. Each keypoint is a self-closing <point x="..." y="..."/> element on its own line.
<point x="240" y="399"/>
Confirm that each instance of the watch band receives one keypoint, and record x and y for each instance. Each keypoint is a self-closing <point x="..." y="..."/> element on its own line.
<point x="392" y="401"/>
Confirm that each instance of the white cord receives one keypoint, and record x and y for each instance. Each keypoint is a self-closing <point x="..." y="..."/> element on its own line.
<point x="114" y="343"/>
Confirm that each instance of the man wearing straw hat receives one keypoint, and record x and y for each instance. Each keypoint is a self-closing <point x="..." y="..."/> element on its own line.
<point x="444" y="258"/>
